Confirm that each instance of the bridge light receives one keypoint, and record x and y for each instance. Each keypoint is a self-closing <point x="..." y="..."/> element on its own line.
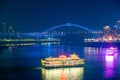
<point x="61" y="32"/>
<point x="68" y="24"/>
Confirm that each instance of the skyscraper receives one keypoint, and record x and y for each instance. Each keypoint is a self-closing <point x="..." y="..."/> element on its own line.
<point x="10" y="30"/>
<point x="4" y="28"/>
<point x="107" y="30"/>
<point x="118" y="25"/>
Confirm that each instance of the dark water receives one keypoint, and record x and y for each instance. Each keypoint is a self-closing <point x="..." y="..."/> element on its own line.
<point x="23" y="63"/>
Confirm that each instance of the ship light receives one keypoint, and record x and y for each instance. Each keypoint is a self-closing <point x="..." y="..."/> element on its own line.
<point x="62" y="56"/>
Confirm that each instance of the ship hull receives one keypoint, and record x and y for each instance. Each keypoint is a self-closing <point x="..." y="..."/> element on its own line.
<point x="64" y="66"/>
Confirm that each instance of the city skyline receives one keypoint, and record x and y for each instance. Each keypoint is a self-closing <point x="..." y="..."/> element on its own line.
<point x="40" y="15"/>
<point x="6" y="28"/>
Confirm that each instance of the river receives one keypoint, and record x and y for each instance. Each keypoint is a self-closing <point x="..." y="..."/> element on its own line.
<point x="23" y="63"/>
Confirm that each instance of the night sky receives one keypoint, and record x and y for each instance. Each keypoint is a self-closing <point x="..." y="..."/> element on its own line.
<point x="39" y="15"/>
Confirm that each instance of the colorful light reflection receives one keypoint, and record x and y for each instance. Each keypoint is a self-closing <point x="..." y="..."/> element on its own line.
<point x="109" y="59"/>
<point x="110" y="62"/>
<point x="63" y="74"/>
<point x="109" y="70"/>
<point x="111" y="51"/>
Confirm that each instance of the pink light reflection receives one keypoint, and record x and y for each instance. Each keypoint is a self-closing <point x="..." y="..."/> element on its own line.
<point x="109" y="70"/>
<point x="111" y="51"/>
<point x="109" y="59"/>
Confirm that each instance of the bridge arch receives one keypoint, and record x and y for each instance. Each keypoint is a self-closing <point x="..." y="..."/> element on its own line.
<point x="69" y="24"/>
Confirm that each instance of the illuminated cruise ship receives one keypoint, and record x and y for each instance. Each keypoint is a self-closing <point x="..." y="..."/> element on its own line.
<point x="62" y="61"/>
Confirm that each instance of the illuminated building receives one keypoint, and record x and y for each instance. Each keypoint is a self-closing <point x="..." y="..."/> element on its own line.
<point x="107" y="30"/>
<point x="107" y="36"/>
<point x="110" y="34"/>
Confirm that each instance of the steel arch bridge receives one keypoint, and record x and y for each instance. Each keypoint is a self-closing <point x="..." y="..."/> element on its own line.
<point x="69" y="24"/>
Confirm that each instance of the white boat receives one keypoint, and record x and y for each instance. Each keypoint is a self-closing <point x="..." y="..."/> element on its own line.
<point x="62" y="61"/>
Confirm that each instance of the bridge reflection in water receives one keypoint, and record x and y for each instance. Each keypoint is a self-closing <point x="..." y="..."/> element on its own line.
<point x="75" y="73"/>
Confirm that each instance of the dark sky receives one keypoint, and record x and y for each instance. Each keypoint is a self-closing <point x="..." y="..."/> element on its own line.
<point x="39" y="15"/>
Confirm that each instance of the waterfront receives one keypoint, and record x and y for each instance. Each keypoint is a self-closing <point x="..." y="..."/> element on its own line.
<point x="23" y="63"/>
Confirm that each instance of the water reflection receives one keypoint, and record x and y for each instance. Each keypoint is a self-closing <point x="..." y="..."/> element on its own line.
<point x="63" y="74"/>
<point x="110" y="62"/>
<point x="111" y="51"/>
<point x="10" y="49"/>
<point x="98" y="64"/>
<point x="92" y="53"/>
<point x="18" y="44"/>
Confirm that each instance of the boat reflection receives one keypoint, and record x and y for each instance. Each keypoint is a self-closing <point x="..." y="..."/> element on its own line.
<point x="63" y="73"/>
<point x="111" y="51"/>
<point x="110" y="62"/>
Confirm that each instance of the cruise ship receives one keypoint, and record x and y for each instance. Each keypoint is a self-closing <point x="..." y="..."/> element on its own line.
<point x="62" y="61"/>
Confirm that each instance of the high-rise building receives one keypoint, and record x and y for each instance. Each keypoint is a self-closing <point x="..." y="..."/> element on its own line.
<point x="118" y="23"/>
<point x="10" y="30"/>
<point x="115" y="30"/>
<point x="4" y="28"/>
<point x="107" y="30"/>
